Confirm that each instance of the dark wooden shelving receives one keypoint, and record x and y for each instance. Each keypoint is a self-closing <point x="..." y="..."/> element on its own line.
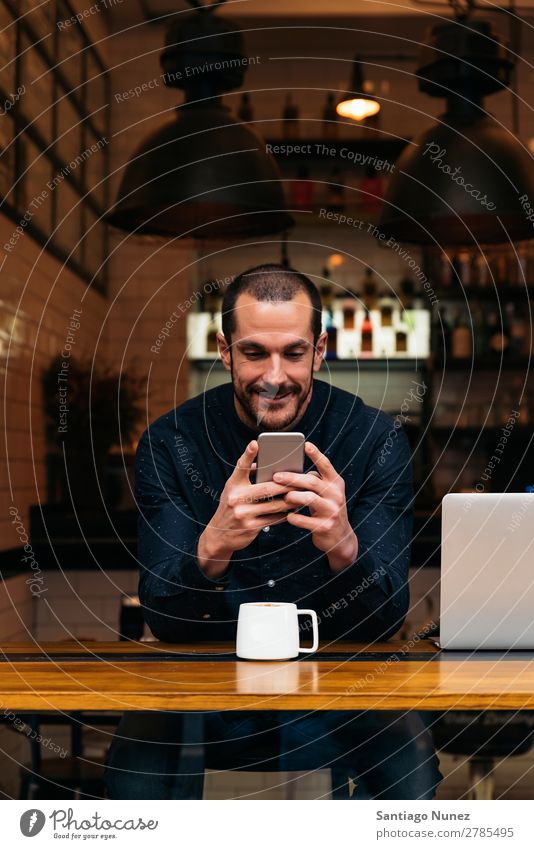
<point x="478" y="430"/>
<point x="363" y="363"/>
<point x="488" y="294"/>
<point x="482" y="364"/>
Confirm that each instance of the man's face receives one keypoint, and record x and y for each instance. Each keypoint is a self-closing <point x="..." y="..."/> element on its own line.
<point x="272" y="360"/>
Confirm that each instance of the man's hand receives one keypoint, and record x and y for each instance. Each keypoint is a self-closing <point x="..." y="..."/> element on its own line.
<point x="324" y="495"/>
<point x="242" y="512"/>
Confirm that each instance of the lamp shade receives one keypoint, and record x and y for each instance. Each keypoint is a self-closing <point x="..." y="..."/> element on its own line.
<point x="465" y="179"/>
<point x="460" y="184"/>
<point x="202" y="175"/>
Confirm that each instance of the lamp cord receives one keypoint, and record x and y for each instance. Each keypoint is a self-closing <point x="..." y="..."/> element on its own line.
<point x="462" y="10"/>
<point x="515" y="43"/>
<point x="209" y="7"/>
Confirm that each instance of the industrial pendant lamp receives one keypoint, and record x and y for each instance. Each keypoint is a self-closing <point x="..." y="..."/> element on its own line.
<point x="355" y="103"/>
<point x="202" y="175"/>
<point x="461" y="181"/>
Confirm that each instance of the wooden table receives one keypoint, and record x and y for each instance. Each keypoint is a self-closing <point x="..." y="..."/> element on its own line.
<point x="123" y="676"/>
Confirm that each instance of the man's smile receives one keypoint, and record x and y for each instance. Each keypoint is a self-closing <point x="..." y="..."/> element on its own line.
<point x="276" y="400"/>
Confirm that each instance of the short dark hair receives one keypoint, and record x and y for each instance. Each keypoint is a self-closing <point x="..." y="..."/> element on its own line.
<point x="270" y="282"/>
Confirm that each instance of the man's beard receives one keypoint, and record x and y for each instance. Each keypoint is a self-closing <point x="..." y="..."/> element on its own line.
<point x="257" y="412"/>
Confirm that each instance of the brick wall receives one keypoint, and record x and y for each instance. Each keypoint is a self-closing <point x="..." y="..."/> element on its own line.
<point x="38" y="297"/>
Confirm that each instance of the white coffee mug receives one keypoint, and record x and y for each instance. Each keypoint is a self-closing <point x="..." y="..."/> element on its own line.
<point x="270" y="631"/>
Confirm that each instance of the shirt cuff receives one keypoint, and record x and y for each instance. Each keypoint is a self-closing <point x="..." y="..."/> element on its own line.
<point x="194" y="578"/>
<point x="365" y="576"/>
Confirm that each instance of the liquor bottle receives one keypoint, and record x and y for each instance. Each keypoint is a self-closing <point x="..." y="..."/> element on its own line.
<point x="522" y="266"/>
<point x="401" y="338"/>
<point x="441" y="334"/>
<point x="464" y="268"/>
<point x="366" y="347"/>
<point x="481" y="270"/>
<point x="335" y="191"/>
<point x="290" y="119"/>
<point x="330" y="118"/>
<point x="506" y="335"/>
<point x="349" y="307"/>
<point x="480" y="331"/>
<point x="456" y="279"/>
<point x="518" y="331"/>
<point x="369" y="285"/>
<point x="512" y="271"/>
<point x="211" y="336"/>
<point x="386" y="305"/>
<point x="325" y="290"/>
<point x="498" y="268"/>
<point x="524" y="411"/>
<point x="461" y="342"/>
<point x="516" y="267"/>
<point x="386" y="332"/>
<point x="339" y="299"/>
<point x="245" y="112"/>
<point x="446" y="271"/>
<point x="473" y="270"/>
<point x="407" y="290"/>
<point x="419" y="302"/>
<point x="202" y="301"/>
<point x="372" y="188"/>
<point x="499" y="338"/>
<point x="211" y="303"/>
<point x="331" y="336"/>
<point x="301" y="191"/>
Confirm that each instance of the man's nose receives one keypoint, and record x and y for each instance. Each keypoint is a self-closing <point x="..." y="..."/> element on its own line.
<point x="275" y="374"/>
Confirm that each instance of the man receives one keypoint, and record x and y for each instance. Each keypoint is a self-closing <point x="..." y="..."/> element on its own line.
<point x="335" y="538"/>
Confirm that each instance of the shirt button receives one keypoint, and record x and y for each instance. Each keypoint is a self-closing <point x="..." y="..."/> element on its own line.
<point x="266" y="529"/>
<point x="271" y="583"/>
<point x="206" y="616"/>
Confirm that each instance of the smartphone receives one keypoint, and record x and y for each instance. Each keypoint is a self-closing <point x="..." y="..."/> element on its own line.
<point x="279" y="452"/>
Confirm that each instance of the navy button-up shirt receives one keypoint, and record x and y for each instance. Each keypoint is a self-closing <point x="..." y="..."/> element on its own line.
<point x="183" y="461"/>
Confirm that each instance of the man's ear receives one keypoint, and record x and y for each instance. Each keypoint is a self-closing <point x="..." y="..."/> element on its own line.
<point x="224" y="351"/>
<point x="320" y="349"/>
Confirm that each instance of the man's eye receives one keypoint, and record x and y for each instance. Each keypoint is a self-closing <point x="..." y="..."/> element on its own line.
<point x="253" y="355"/>
<point x="294" y="355"/>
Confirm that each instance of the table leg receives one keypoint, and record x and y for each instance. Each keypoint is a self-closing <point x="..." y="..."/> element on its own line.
<point x="481" y="781"/>
<point x="192" y="752"/>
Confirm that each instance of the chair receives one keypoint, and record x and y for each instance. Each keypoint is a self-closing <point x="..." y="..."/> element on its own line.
<point x="260" y="758"/>
<point x="51" y="778"/>
<point x="483" y="737"/>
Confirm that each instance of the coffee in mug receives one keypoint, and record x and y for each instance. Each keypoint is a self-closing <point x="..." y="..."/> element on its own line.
<point x="270" y="631"/>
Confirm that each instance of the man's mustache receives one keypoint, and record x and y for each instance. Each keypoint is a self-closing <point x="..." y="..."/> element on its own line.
<point x="271" y="390"/>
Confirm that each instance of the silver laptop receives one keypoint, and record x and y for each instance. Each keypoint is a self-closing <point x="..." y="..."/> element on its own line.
<point x="487" y="571"/>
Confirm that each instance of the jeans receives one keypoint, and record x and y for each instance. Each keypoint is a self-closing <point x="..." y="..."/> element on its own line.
<point x="389" y="755"/>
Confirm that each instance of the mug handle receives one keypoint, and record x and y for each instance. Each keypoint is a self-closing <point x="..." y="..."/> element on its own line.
<point x="315" y="624"/>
